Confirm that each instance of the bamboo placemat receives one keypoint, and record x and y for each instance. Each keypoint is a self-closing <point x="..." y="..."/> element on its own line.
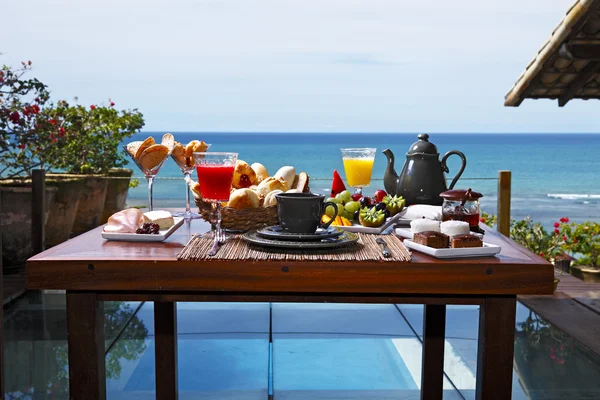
<point x="236" y="248"/>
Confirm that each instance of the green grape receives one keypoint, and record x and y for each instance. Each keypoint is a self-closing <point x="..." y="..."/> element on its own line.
<point x="329" y="210"/>
<point x="352" y="206"/>
<point x="330" y="199"/>
<point x="345" y="195"/>
<point x="337" y="199"/>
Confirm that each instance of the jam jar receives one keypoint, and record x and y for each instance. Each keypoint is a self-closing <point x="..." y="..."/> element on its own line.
<point x="462" y="205"/>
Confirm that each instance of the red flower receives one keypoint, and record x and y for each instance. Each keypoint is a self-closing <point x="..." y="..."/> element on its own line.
<point x="556" y="224"/>
<point x="552" y="356"/>
<point x="565" y="238"/>
<point x="561" y="361"/>
<point x="61" y="131"/>
<point x="21" y="146"/>
<point x="54" y="140"/>
<point x="564" y="220"/>
<point x="112" y="103"/>
<point x="482" y="220"/>
<point x="35" y="108"/>
<point x="92" y="107"/>
<point x="575" y="240"/>
<point x="541" y="254"/>
<point x="15" y="117"/>
<point x="556" y="231"/>
<point x="52" y="122"/>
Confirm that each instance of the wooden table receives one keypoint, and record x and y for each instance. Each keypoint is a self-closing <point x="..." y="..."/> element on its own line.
<point x="93" y="270"/>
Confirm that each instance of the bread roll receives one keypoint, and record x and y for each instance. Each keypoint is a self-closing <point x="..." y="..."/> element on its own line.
<point x="288" y="174"/>
<point x="271" y="183"/>
<point x="243" y="198"/>
<point x="261" y="172"/>
<point x="270" y="199"/>
<point x="126" y="221"/>
<point x="301" y="182"/>
<point x="243" y="176"/>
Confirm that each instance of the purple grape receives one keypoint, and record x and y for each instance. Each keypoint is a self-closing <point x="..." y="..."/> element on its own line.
<point x="380" y="206"/>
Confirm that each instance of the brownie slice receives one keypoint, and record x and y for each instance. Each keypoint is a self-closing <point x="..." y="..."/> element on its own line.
<point x="437" y="240"/>
<point x="462" y="241"/>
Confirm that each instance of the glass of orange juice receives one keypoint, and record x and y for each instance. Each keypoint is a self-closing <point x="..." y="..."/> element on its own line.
<point x="358" y="164"/>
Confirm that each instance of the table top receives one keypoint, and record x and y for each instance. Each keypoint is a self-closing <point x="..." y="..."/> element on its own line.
<point x="90" y="263"/>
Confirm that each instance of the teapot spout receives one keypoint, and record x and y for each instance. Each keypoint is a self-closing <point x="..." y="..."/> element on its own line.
<point x="390" y="177"/>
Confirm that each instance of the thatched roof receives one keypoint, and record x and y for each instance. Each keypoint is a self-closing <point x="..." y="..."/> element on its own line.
<point x="568" y="64"/>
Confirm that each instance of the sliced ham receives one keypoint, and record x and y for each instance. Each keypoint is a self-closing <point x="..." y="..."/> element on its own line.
<point x="126" y="221"/>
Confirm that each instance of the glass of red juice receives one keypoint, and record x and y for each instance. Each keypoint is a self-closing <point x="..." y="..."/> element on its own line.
<point x="215" y="173"/>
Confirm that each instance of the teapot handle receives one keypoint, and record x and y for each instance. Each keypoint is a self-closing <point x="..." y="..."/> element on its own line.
<point x="462" y="168"/>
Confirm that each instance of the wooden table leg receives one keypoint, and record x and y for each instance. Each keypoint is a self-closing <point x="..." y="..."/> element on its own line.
<point x="495" y="349"/>
<point x="434" y="334"/>
<point x="85" y="331"/>
<point x="165" y="349"/>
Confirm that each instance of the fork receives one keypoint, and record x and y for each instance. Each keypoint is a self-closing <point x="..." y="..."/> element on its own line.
<point x="384" y="248"/>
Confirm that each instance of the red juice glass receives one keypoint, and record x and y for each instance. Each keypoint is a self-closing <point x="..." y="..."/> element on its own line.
<point x="215" y="181"/>
<point x="215" y="173"/>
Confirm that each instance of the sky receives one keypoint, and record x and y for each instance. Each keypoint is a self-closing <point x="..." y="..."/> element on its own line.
<point x="296" y="65"/>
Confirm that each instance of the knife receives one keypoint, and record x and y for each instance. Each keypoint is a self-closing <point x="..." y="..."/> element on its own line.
<point x="384" y="248"/>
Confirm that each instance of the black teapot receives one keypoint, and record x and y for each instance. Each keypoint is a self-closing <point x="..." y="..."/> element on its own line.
<point x="422" y="178"/>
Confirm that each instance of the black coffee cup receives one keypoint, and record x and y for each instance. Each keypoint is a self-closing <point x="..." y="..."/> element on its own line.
<point x="301" y="212"/>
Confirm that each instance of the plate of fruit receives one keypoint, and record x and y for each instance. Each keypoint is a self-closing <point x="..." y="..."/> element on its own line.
<point x="359" y="213"/>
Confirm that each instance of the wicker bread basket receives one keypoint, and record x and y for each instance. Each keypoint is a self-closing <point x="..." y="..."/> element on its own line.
<point x="242" y="219"/>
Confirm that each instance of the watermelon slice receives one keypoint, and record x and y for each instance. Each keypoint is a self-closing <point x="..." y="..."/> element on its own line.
<point x="337" y="186"/>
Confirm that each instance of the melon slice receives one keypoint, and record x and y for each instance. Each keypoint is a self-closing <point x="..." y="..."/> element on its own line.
<point x="337" y="186"/>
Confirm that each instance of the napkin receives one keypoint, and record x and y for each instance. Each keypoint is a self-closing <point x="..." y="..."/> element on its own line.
<point x="418" y="211"/>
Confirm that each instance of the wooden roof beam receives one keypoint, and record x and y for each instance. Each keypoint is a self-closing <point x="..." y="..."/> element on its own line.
<point x="580" y="51"/>
<point x="584" y="76"/>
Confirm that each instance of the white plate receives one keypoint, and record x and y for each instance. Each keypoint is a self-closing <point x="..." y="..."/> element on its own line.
<point x="138" y="237"/>
<point x="406" y="233"/>
<point x="363" y="229"/>
<point x="486" y="250"/>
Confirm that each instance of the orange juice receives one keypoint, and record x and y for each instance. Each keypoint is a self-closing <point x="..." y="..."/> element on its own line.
<point x="358" y="171"/>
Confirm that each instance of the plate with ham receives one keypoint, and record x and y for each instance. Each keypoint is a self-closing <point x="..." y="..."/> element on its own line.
<point x="134" y="226"/>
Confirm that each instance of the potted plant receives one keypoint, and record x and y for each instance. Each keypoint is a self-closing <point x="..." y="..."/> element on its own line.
<point x="26" y="136"/>
<point x="582" y="241"/>
<point x="92" y="148"/>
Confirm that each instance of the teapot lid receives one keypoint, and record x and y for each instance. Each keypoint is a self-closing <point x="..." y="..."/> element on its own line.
<point x="423" y="145"/>
<point x="461" y="194"/>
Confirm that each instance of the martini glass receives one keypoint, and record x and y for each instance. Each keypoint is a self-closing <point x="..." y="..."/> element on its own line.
<point x="215" y="173"/>
<point x="358" y="164"/>
<point x="150" y="165"/>
<point x="187" y="165"/>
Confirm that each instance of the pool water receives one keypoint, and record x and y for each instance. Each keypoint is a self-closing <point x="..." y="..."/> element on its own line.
<point x="318" y="351"/>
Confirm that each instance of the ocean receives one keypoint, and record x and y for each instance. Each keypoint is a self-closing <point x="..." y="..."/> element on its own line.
<point x="553" y="175"/>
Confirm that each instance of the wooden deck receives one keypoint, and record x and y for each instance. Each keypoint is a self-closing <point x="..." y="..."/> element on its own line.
<point x="574" y="308"/>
